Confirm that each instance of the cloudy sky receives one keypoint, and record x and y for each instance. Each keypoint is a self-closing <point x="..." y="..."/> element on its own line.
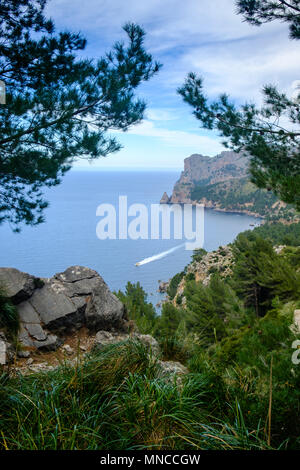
<point x="204" y="36"/>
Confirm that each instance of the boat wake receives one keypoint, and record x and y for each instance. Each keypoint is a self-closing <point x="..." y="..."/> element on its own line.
<point x="159" y="255"/>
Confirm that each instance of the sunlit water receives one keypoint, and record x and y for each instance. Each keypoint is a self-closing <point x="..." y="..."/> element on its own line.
<point x="69" y="235"/>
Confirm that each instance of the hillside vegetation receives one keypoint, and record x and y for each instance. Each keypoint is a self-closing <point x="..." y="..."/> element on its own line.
<point x="242" y="195"/>
<point x="235" y="330"/>
<point x="234" y="334"/>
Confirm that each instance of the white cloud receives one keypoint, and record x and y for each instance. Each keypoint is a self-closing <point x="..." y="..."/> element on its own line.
<point x="161" y="114"/>
<point x="168" y="22"/>
<point x="174" y="138"/>
<point x="241" y="72"/>
<point x="205" y="36"/>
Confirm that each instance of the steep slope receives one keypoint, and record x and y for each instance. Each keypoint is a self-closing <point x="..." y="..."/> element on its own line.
<point x="222" y="183"/>
<point x="203" y="170"/>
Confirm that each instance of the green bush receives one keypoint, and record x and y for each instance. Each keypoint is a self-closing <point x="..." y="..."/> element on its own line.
<point x="9" y="318"/>
<point x="173" y="285"/>
<point x="138" y="309"/>
<point x="190" y="277"/>
<point x="198" y="254"/>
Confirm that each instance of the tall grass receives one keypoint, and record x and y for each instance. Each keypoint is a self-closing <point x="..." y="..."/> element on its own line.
<point x="115" y="400"/>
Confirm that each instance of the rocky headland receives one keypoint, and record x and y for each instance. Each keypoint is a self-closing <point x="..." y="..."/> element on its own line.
<point x="223" y="183"/>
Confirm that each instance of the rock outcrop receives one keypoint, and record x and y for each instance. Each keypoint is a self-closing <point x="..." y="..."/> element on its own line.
<point x="165" y="199"/>
<point x="103" y="338"/>
<point x="203" y="266"/>
<point x="71" y="313"/>
<point x="295" y="327"/>
<point x="205" y="170"/>
<point x="18" y="286"/>
<point x="163" y="286"/>
<point x="6" y="350"/>
<point x="222" y="183"/>
<point x="49" y="308"/>
<point x="169" y="370"/>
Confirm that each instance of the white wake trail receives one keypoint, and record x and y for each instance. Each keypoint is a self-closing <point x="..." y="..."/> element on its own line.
<point x="159" y="255"/>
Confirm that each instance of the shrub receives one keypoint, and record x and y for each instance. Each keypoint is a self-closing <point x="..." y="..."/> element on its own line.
<point x="9" y="318"/>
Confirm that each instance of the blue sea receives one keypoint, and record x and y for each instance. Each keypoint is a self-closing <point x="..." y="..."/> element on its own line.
<point x="68" y="237"/>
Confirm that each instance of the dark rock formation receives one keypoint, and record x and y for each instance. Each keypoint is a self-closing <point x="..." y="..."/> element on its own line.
<point x="18" y="285"/>
<point x="163" y="286"/>
<point x="64" y="303"/>
<point x="165" y="199"/>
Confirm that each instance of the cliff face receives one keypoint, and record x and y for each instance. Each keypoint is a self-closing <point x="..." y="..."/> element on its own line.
<point x="222" y="183"/>
<point x="203" y="170"/>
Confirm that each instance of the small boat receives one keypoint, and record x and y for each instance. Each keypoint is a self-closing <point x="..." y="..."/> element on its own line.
<point x="137" y="264"/>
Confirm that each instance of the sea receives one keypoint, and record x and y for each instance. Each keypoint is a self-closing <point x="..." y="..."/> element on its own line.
<point x="68" y="235"/>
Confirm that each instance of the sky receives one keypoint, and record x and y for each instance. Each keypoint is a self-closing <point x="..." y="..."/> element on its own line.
<point x="203" y="36"/>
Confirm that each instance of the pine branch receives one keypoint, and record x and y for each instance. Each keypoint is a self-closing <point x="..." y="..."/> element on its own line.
<point x="258" y="130"/>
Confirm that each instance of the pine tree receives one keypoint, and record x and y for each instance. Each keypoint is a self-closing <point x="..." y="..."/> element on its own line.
<point x="258" y="12"/>
<point x="274" y="146"/>
<point x="167" y="324"/>
<point x="138" y="309"/>
<point x="59" y="106"/>
<point x="260" y="274"/>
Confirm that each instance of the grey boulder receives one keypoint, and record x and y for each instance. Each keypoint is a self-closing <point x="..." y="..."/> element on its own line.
<point x="71" y="299"/>
<point x="18" y="286"/>
<point x="32" y="338"/>
<point x="61" y="304"/>
<point x="104" y="338"/>
<point x="171" y="371"/>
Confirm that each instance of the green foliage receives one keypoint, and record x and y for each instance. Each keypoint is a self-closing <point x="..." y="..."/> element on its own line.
<point x="274" y="152"/>
<point x="257" y="12"/>
<point x="250" y="352"/>
<point x="262" y="133"/>
<point x="53" y="96"/>
<point x="174" y="283"/>
<point x="259" y="274"/>
<point x="292" y="255"/>
<point x="173" y="348"/>
<point x="9" y="318"/>
<point x="168" y="322"/>
<point x="212" y="310"/>
<point x="278" y="233"/>
<point x="117" y="400"/>
<point x="198" y="254"/>
<point x="228" y="332"/>
<point x="213" y="270"/>
<point x="138" y="309"/>
<point x="241" y="194"/>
